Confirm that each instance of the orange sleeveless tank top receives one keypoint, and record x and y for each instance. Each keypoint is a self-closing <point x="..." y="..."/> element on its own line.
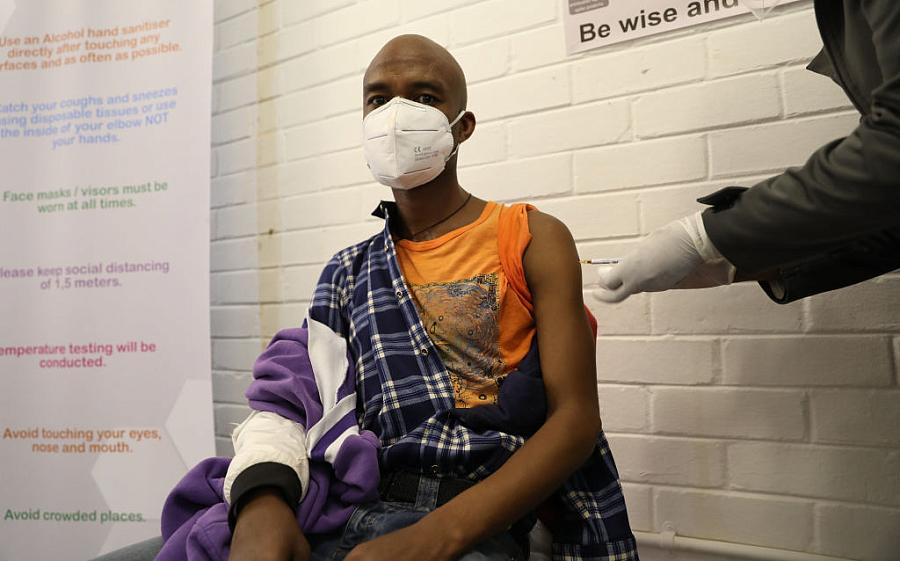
<point x="470" y="291"/>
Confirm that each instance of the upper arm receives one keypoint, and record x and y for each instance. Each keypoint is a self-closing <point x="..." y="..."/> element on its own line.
<point x="883" y="16"/>
<point x="564" y="336"/>
<point x="330" y="297"/>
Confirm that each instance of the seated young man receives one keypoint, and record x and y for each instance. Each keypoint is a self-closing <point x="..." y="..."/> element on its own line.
<point x="442" y="391"/>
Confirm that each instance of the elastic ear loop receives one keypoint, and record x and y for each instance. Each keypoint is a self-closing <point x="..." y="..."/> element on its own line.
<point x="455" y="144"/>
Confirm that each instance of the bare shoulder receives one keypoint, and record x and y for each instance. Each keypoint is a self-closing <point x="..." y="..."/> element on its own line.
<point x="551" y="253"/>
<point x="548" y="233"/>
<point x="546" y="228"/>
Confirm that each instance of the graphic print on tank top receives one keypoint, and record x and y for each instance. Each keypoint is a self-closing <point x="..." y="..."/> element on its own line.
<point x="463" y="321"/>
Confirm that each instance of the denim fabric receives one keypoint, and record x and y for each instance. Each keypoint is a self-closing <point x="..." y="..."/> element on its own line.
<point x="377" y="519"/>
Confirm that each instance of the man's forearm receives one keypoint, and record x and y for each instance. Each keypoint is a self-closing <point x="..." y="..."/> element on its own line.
<point x="531" y="475"/>
<point x="267" y="529"/>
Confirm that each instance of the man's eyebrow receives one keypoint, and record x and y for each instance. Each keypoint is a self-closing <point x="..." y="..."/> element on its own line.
<point x="428" y="85"/>
<point x="419" y="85"/>
<point x="373" y="86"/>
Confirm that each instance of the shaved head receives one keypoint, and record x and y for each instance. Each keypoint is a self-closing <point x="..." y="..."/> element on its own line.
<point x="413" y="65"/>
<point x="417" y="69"/>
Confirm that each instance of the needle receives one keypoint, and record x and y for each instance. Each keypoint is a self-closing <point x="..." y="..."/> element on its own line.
<point x="612" y="261"/>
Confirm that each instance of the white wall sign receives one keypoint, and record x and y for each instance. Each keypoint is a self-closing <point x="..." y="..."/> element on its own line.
<point x="596" y="23"/>
<point x="105" y="393"/>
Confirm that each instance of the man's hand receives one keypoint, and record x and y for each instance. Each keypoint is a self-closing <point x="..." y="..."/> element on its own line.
<point x="423" y="541"/>
<point x="267" y="530"/>
<point x="677" y="255"/>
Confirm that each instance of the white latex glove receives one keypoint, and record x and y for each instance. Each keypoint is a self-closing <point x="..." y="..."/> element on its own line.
<point x="677" y="255"/>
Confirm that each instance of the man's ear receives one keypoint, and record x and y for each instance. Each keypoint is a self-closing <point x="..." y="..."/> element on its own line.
<point x="465" y="127"/>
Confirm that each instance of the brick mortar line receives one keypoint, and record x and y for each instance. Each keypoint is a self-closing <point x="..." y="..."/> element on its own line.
<point x="792" y="442"/>
<point x="738" y="493"/>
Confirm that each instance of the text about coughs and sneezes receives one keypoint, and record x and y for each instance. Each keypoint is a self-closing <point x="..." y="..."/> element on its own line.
<point x="96" y="119"/>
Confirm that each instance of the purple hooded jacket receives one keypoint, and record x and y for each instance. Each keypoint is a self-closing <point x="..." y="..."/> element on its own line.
<point x="343" y="460"/>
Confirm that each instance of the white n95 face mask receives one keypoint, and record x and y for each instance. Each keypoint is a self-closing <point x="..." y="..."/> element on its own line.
<point x="407" y="144"/>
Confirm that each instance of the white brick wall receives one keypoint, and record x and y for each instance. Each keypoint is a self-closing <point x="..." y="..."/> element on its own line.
<point x="731" y="418"/>
<point x="858" y="532"/>
<point x="706" y="105"/>
<point x="745" y="518"/>
<point x="641" y="164"/>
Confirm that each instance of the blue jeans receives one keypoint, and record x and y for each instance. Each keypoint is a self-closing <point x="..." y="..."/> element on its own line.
<point x="377" y="519"/>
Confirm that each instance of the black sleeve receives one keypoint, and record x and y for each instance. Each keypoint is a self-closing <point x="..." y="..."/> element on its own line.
<point x="847" y="190"/>
<point x="275" y="476"/>
<point x="856" y="262"/>
<point x="848" y="264"/>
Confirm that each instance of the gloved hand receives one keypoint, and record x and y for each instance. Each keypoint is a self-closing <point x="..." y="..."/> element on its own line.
<point x="677" y="255"/>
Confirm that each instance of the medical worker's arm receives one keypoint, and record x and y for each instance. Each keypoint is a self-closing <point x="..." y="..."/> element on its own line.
<point x="847" y="190"/>
<point x="557" y="449"/>
<point x="842" y="206"/>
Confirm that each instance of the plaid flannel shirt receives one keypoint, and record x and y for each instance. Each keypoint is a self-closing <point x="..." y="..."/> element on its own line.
<point x="405" y="397"/>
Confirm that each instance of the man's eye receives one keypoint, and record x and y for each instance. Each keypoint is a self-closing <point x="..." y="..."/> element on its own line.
<point x="426" y="99"/>
<point x="377" y="100"/>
